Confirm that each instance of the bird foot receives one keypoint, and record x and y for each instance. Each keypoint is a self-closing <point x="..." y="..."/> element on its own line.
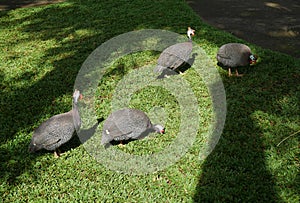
<point x="56" y="154"/>
<point x="121" y="145"/>
<point x="237" y="74"/>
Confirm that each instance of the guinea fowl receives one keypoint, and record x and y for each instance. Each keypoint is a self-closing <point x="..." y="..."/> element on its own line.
<point x="57" y="130"/>
<point x="234" y="55"/>
<point x="176" y="55"/>
<point x="127" y="124"/>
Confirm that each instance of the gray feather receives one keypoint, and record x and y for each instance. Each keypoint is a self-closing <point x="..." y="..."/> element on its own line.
<point x="176" y="55"/>
<point x="126" y="124"/>
<point x="234" y="55"/>
<point x="57" y="130"/>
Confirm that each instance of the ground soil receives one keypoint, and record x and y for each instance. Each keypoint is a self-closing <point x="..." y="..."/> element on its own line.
<point x="273" y="24"/>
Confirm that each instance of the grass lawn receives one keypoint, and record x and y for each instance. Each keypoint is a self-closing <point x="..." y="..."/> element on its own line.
<point x="42" y="50"/>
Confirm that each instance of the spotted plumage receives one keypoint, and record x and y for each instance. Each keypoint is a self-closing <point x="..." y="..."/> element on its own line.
<point x="127" y="124"/>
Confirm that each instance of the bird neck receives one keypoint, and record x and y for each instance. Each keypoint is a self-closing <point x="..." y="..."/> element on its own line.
<point x="189" y="37"/>
<point x="76" y="116"/>
<point x="74" y="104"/>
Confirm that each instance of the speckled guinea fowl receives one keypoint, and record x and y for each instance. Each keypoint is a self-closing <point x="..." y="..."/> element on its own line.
<point x="176" y="55"/>
<point x="57" y="130"/>
<point x="127" y="124"/>
<point x="234" y="55"/>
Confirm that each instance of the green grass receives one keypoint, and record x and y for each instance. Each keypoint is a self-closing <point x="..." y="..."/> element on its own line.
<point x="42" y="50"/>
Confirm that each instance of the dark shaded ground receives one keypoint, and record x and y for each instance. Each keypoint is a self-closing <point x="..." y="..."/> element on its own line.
<point x="273" y="24"/>
<point x="13" y="4"/>
<point x="270" y="24"/>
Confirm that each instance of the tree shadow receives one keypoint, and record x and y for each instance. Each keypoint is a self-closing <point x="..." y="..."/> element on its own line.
<point x="233" y="175"/>
<point x="23" y="108"/>
<point x="237" y="171"/>
<point x="13" y="4"/>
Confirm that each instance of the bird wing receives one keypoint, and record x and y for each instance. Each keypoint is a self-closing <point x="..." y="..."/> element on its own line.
<point x="223" y="55"/>
<point x="171" y="60"/>
<point x="50" y="132"/>
<point x="175" y="55"/>
<point x="123" y="136"/>
<point x="224" y="58"/>
<point x="52" y="141"/>
<point x="124" y="124"/>
<point x="114" y="130"/>
<point x="159" y="68"/>
<point x="54" y="136"/>
<point x="47" y="138"/>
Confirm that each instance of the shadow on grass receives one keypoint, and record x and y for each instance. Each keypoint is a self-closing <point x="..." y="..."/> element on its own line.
<point x="226" y="172"/>
<point x="237" y="170"/>
<point x="13" y="4"/>
<point x="24" y="108"/>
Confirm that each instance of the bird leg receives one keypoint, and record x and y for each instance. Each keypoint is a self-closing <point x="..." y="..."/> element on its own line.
<point x="181" y="73"/>
<point x="121" y="144"/>
<point x="229" y="72"/>
<point x="237" y="73"/>
<point x="56" y="153"/>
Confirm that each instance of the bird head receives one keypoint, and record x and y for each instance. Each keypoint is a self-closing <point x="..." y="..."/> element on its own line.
<point x="190" y="32"/>
<point x="76" y="95"/>
<point x="159" y="129"/>
<point x="33" y="147"/>
<point x="252" y="59"/>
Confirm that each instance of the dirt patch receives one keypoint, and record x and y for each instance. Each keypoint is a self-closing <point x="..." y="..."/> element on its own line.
<point x="273" y="24"/>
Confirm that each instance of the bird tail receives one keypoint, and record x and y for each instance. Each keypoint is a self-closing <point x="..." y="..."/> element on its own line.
<point x="107" y="145"/>
<point x="105" y="141"/>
